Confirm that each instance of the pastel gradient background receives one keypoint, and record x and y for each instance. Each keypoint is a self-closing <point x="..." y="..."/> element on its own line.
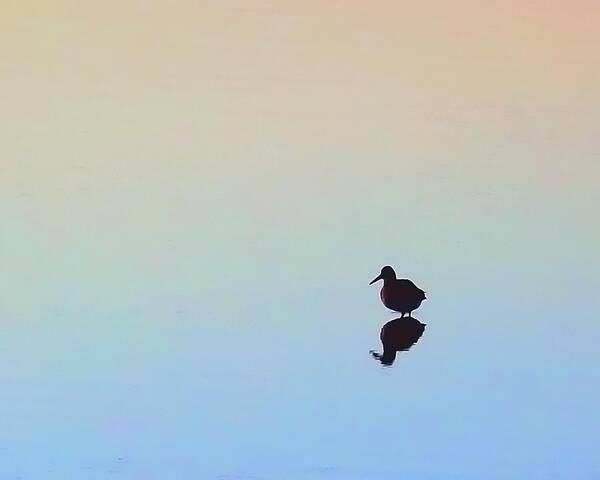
<point x="194" y="196"/>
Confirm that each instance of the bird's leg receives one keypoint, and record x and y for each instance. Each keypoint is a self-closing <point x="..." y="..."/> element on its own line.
<point x="410" y="314"/>
<point x="402" y="315"/>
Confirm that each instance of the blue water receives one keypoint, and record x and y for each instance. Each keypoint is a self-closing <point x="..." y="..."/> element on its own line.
<point x="261" y="378"/>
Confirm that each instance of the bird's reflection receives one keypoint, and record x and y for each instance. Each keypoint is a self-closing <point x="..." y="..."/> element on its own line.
<point x="398" y="335"/>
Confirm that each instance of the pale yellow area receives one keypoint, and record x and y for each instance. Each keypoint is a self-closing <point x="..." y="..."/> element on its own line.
<point x="253" y="127"/>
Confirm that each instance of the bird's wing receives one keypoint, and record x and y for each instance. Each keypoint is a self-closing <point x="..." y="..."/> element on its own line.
<point x="405" y="282"/>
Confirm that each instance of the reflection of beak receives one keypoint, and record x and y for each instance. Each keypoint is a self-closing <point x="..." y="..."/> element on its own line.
<point x="374" y="280"/>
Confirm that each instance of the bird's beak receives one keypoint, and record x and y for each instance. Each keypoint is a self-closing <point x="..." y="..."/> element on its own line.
<point x="374" y="280"/>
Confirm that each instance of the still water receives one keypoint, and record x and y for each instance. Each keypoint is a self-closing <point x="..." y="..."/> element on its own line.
<point x="194" y="199"/>
<point x="202" y="365"/>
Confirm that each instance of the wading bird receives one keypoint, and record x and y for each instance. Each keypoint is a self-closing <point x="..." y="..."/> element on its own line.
<point x="399" y="294"/>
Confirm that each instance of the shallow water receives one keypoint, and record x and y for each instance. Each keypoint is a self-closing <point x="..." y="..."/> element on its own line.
<point x="195" y="197"/>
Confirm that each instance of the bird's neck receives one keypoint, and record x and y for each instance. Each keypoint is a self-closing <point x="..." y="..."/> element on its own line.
<point x="388" y="281"/>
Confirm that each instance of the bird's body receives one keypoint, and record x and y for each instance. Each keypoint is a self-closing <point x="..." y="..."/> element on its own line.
<point x="400" y="295"/>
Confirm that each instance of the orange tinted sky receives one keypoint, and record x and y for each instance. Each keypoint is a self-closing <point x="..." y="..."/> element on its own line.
<point x="469" y="106"/>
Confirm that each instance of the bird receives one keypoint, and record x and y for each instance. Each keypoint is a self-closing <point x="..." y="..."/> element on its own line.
<point x="398" y="335"/>
<point x="399" y="294"/>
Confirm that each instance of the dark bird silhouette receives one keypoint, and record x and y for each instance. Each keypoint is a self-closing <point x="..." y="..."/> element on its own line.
<point x="399" y="294"/>
<point x="397" y="336"/>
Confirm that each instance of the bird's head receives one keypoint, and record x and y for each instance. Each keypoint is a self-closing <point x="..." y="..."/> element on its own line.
<point x="387" y="273"/>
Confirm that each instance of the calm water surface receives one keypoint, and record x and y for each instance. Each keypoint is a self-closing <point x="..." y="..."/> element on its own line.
<point x="194" y="199"/>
